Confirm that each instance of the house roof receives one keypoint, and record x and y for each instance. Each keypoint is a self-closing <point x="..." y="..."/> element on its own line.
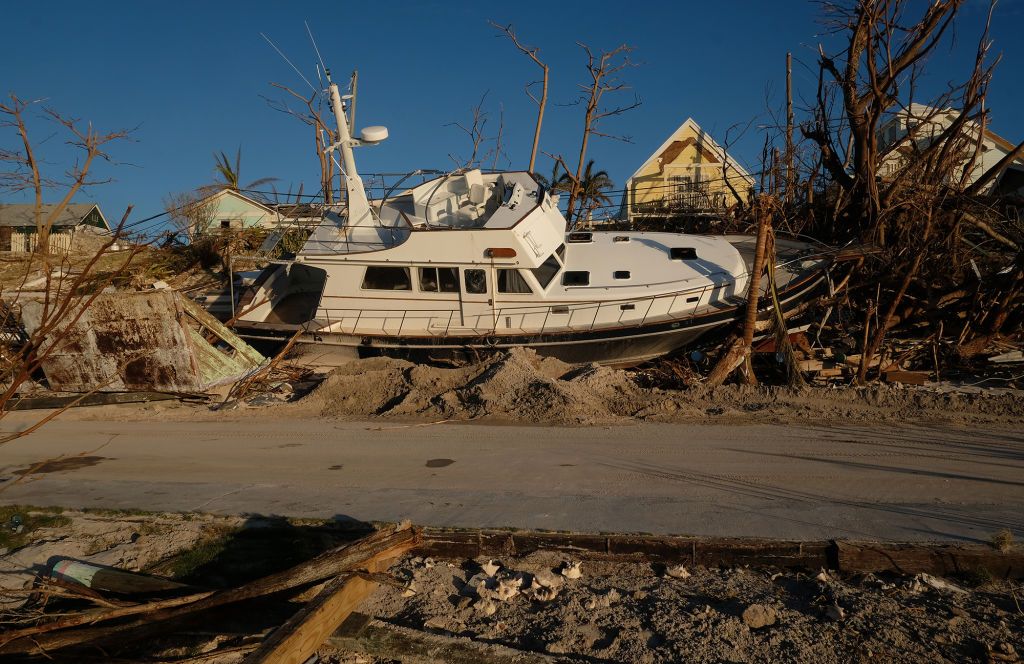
<point x="237" y="194"/>
<point x="24" y="215"/>
<point x="925" y="112"/>
<point x="707" y="143"/>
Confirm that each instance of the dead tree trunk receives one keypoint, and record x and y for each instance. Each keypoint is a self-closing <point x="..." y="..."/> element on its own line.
<point x="738" y="352"/>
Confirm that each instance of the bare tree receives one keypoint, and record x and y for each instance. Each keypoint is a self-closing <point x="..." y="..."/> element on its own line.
<point x="603" y="69"/>
<point x="24" y="168"/>
<point x="531" y="52"/>
<point x="475" y="131"/>
<point x="65" y="294"/>
<point x="190" y="212"/>
<point x="323" y="136"/>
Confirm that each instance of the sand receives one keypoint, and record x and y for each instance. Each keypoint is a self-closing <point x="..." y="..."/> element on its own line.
<point x="521" y="387"/>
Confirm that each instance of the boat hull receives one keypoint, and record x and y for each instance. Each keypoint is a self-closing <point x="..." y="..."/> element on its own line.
<point x="620" y="347"/>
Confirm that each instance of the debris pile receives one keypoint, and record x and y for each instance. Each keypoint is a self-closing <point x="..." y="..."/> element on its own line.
<point x="77" y="609"/>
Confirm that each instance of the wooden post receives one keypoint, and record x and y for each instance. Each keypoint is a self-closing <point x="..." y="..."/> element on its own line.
<point x="790" y="175"/>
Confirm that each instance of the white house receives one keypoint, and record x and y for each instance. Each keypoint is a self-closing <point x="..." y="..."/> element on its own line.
<point x="924" y="124"/>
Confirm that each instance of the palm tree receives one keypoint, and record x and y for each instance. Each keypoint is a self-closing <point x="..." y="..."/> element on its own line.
<point x="229" y="174"/>
<point x="558" y="181"/>
<point x="592" y="188"/>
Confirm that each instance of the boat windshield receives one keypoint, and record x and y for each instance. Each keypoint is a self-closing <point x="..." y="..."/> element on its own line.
<point x="547" y="271"/>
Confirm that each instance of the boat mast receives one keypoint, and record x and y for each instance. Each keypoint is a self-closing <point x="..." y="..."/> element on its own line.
<point x="359" y="213"/>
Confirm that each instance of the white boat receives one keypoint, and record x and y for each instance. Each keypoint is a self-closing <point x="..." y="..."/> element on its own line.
<point x="473" y="261"/>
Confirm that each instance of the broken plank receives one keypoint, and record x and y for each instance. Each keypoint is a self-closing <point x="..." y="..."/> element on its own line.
<point x="906" y="377"/>
<point x="96" y="399"/>
<point x="298" y="639"/>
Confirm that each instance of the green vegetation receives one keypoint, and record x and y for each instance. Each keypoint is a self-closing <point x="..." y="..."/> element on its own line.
<point x="18" y="522"/>
<point x="1003" y="540"/>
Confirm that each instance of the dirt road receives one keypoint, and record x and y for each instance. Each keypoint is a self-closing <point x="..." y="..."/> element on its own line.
<point x="901" y="483"/>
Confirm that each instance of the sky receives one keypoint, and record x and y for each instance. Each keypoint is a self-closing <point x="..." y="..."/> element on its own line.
<point x="189" y="78"/>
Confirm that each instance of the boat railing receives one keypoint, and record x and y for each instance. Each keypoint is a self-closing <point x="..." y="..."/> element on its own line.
<point x="519" y="319"/>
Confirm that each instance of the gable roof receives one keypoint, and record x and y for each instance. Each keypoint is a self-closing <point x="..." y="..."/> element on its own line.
<point x="917" y="111"/>
<point x="707" y="143"/>
<point x="239" y="195"/>
<point x="24" y="215"/>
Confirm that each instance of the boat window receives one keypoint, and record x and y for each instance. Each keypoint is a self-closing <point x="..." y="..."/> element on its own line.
<point x="476" y="281"/>
<point x="621" y="274"/>
<point x="576" y="278"/>
<point x="682" y="253"/>
<point x="387" y="278"/>
<point x="581" y="236"/>
<point x="561" y="253"/>
<point x="547" y="271"/>
<point x="445" y="277"/>
<point x="511" y="281"/>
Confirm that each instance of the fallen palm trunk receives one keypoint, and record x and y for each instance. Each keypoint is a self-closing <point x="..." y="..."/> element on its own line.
<point x="387" y="542"/>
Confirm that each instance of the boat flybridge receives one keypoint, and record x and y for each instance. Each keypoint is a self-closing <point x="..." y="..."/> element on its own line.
<point x="473" y="261"/>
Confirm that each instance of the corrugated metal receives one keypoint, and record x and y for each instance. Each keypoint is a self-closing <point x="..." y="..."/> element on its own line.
<point x="142" y="341"/>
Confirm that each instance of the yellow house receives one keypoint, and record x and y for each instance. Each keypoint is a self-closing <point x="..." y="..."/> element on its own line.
<point x="690" y="175"/>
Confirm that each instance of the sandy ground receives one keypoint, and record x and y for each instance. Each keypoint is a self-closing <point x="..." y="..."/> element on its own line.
<point x="636" y="612"/>
<point x="614" y="611"/>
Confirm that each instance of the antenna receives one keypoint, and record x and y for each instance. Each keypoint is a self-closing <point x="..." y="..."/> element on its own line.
<point x="274" y="46"/>
<point x="315" y="47"/>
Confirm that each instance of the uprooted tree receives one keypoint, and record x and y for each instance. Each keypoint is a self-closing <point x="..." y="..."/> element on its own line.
<point x="884" y="164"/>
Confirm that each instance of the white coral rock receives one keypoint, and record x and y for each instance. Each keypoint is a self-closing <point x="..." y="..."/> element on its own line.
<point x="491" y="567"/>
<point x="571" y="570"/>
<point x="677" y="572"/>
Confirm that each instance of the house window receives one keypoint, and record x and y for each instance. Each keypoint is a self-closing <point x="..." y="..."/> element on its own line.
<point x="576" y="278"/>
<point x="511" y="281"/>
<point x="476" y="281"/>
<point x="443" y="279"/>
<point x="225" y="223"/>
<point x="387" y="278"/>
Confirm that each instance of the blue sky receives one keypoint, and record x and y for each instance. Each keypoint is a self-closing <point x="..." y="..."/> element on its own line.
<point x="189" y="77"/>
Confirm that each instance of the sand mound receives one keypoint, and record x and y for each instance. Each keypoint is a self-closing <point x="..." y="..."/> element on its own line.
<point x="519" y="387"/>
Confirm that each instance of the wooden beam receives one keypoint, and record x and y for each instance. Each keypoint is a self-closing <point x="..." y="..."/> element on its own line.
<point x="298" y="639"/>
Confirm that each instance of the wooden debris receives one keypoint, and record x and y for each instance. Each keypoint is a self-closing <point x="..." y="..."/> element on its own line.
<point x="297" y="640"/>
<point x="54" y="635"/>
<point x="906" y="377"/>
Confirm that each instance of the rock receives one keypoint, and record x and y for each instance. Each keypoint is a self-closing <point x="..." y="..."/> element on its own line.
<point x="475" y="583"/>
<point x="835" y="612"/>
<point x="485" y="607"/>
<point x="939" y="584"/>
<point x="609" y="598"/>
<point x="507" y="589"/>
<point x="410" y="589"/>
<point x="757" y="616"/>
<point x="677" y="572"/>
<point x="823" y="577"/>
<point x="571" y="570"/>
<point x="491" y="567"/>
<point x="959" y="612"/>
<point x="545" y="579"/>
<point x="545" y="594"/>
